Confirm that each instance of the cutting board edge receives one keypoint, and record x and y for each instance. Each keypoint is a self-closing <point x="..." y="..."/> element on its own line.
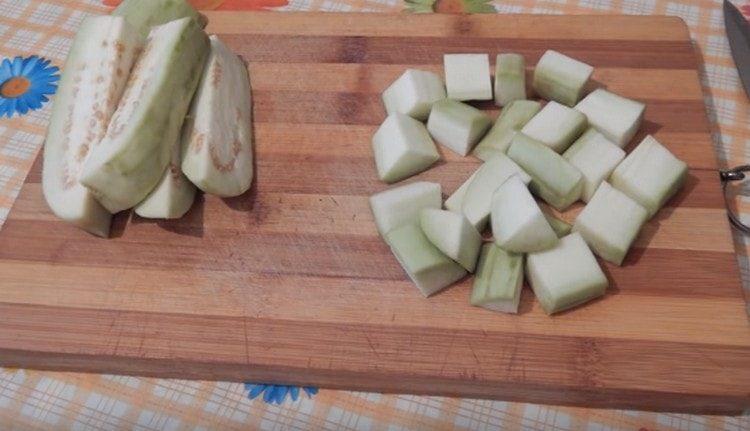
<point x="386" y="383"/>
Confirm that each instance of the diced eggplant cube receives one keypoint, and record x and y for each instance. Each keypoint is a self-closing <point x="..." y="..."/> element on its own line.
<point x="596" y="157"/>
<point x="402" y="148"/>
<point x="429" y="269"/>
<point x="561" y="78"/>
<point x="553" y="179"/>
<point x="452" y="234"/>
<point x="566" y="275"/>
<point x="610" y="223"/>
<point x="518" y="223"/>
<point x="499" y="280"/>
<point x="413" y="94"/>
<point x="556" y="126"/>
<point x="614" y="116"/>
<point x="467" y="76"/>
<point x="510" y="78"/>
<point x="650" y="175"/>
<point x="456" y="125"/>
<point x="401" y="205"/>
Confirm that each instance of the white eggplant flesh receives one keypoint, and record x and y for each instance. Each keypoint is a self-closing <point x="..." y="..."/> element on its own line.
<point x="429" y="269"/>
<point x="452" y="234"/>
<point x="510" y="78"/>
<point x="401" y="205"/>
<point x="616" y="117"/>
<point x="173" y="196"/>
<point x="566" y="275"/>
<point x="402" y="148"/>
<point x="650" y="175"/>
<point x="610" y="223"/>
<point x="95" y="73"/>
<point x="518" y="223"/>
<point x="596" y="157"/>
<point x="561" y="78"/>
<point x="414" y="93"/>
<point x="553" y="179"/>
<point x="499" y="280"/>
<point x="456" y="201"/>
<point x="467" y="76"/>
<point x="478" y="200"/>
<point x="135" y="151"/>
<point x="457" y="125"/>
<point x="144" y="14"/>
<point x="556" y="125"/>
<point x="217" y="140"/>
<point x="513" y="117"/>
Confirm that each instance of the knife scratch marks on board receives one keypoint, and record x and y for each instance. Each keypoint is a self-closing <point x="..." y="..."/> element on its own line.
<point x="448" y="353"/>
<point x="247" y="341"/>
<point x="112" y="326"/>
<point x="513" y="359"/>
<point x="372" y="347"/>
<point x="473" y="353"/>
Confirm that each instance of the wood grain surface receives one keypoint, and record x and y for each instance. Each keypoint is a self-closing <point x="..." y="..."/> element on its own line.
<point x="290" y="282"/>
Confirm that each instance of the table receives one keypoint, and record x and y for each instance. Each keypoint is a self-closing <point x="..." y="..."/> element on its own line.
<point x="43" y="400"/>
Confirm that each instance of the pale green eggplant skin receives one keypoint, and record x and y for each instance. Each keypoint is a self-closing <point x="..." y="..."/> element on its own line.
<point x="650" y="175"/>
<point x="513" y="117"/>
<point x="217" y="138"/>
<point x="401" y="205"/>
<point x="144" y="14"/>
<point x="561" y="78"/>
<point x="553" y="179"/>
<point x="93" y="80"/>
<point x="173" y="196"/>
<point x="510" y="78"/>
<point x="561" y="227"/>
<point x="566" y="275"/>
<point x="452" y="234"/>
<point x="132" y="156"/>
<point x="429" y="269"/>
<point x="610" y="223"/>
<point x="498" y="281"/>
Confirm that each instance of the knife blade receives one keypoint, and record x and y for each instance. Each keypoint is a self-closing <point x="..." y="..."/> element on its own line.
<point x="738" y="33"/>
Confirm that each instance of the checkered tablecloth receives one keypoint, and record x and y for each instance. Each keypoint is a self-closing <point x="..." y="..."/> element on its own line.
<point x="45" y="400"/>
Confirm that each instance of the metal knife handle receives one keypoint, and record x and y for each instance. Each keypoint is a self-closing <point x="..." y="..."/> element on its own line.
<point x="727" y="176"/>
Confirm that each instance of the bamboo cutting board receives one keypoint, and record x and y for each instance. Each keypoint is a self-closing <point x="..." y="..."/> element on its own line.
<point x="290" y="282"/>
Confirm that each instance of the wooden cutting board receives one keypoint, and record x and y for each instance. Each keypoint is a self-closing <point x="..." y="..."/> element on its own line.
<point x="290" y="282"/>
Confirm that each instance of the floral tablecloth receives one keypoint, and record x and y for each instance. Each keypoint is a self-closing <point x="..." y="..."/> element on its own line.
<point x="45" y="400"/>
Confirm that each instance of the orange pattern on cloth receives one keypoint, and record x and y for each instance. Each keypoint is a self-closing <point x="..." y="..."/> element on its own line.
<point x="15" y="87"/>
<point x="46" y="400"/>
<point x="223" y="4"/>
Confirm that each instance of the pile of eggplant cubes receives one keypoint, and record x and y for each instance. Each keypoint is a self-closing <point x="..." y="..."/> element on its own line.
<point x="569" y="149"/>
